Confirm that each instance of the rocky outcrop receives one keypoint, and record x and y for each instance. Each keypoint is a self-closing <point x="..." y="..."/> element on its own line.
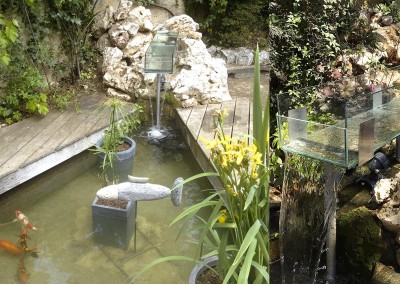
<point x="124" y="36"/>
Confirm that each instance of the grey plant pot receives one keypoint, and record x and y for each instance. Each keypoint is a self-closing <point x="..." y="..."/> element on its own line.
<point x="113" y="226"/>
<point x="123" y="165"/>
<point x="199" y="268"/>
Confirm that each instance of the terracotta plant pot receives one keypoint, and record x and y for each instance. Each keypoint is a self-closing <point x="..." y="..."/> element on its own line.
<point x="199" y="268"/>
<point x="113" y="226"/>
<point x="123" y="164"/>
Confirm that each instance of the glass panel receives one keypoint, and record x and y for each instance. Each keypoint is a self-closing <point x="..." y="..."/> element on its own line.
<point x="320" y="141"/>
<point x="159" y="56"/>
<point x="343" y="104"/>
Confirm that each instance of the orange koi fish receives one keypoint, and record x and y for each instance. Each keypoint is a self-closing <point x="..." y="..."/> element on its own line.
<point x="23" y="275"/>
<point x="10" y="247"/>
<point x="24" y="220"/>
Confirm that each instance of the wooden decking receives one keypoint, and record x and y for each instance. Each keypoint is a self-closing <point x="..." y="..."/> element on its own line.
<point x="197" y="122"/>
<point x="36" y="144"/>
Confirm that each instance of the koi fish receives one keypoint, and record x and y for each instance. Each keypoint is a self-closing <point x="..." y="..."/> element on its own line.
<point x="24" y="220"/>
<point x="23" y="237"/>
<point x="10" y="247"/>
<point x="23" y="275"/>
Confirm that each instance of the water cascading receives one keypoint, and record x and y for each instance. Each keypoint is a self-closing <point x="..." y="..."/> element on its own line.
<point x="307" y="224"/>
<point x="159" y="59"/>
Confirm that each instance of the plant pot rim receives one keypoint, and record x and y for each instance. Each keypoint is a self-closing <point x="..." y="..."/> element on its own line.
<point x="96" y="199"/>
<point x="200" y="267"/>
<point x="127" y="139"/>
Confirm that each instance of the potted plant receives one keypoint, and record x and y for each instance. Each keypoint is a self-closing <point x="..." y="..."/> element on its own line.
<point x="116" y="150"/>
<point x="114" y="221"/>
<point x="237" y="230"/>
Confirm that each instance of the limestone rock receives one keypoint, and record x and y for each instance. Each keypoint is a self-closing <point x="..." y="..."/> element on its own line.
<point x="184" y="25"/>
<point x="264" y="57"/>
<point x="383" y="189"/>
<point x="142" y="17"/>
<point x="189" y="103"/>
<point x="116" y="94"/>
<point x="112" y="57"/>
<point x="118" y="36"/>
<point x="123" y="10"/>
<point x="385" y="275"/>
<point x="229" y="55"/>
<point x="387" y="20"/>
<point x="103" y="42"/>
<point x="389" y="214"/>
<point x="388" y="38"/>
<point x="197" y="76"/>
<point x="364" y="58"/>
<point x="244" y="57"/>
<point x="138" y="43"/>
<point x="103" y="22"/>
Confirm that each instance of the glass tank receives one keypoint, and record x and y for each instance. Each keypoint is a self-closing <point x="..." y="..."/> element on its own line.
<point x="356" y="117"/>
<point x="160" y="54"/>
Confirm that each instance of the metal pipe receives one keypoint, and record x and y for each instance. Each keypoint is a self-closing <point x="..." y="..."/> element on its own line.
<point x="330" y="203"/>
<point x="158" y="100"/>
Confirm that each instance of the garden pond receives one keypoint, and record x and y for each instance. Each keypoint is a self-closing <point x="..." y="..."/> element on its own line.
<point x="58" y="203"/>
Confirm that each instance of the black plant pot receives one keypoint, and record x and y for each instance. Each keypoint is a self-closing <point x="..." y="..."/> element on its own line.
<point x="123" y="164"/>
<point x="211" y="261"/>
<point x="113" y="226"/>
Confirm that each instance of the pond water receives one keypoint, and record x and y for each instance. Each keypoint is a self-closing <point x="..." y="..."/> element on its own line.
<point x="59" y="202"/>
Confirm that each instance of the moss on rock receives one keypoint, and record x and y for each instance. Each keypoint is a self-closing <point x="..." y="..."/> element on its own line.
<point x="359" y="242"/>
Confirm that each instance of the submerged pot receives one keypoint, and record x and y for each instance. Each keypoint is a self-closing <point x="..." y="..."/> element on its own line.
<point x="199" y="268"/>
<point x="113" y="226"/>
<point x="123" y="164"/>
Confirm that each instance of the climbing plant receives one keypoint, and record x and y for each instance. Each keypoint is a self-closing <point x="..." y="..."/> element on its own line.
<point x="8" y="36"/>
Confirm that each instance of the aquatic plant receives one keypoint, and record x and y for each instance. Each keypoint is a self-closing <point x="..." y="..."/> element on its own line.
<point x="120" y="125"/>
<point x="237" y="230"/>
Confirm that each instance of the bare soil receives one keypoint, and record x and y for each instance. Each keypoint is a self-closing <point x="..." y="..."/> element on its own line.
<point x="113" y="203"/>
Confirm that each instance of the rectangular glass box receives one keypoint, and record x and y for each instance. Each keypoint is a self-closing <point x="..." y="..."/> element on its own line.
<point x="160" y="54"/>
<point x="351" y="108"/>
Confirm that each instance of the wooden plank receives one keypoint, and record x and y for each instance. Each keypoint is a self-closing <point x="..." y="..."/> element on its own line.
<point x="241" y="119"/>
<point x="228" y="122"/>
<point x="23" y="174"/>
<point x="95" y="121"/>
<point x="200" y="156"/>
<point x="208" y="127"/>
<point x="184" y="114"/>
<point x="42" y="138"/>
<point x="195" y="120"/>
<point x="70" y="119"/>
<point x="29" y="129"/>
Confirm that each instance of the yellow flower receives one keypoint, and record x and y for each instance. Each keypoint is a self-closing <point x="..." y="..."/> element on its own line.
<point x="223" y="217"/>
<point x="230" y="189"/>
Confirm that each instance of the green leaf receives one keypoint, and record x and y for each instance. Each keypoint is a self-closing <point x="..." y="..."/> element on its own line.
<point x="245" y="269"/>
<point x="161" y="260"/>
<point x="208" y="174"/>
<point x="252" y="232"/>
<point x="263" y="271"/>
<point x="195" y="208"/>
<point x="11" y="32"/>
<point x="5" y="59"/>
<point x="250" y="197"/>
